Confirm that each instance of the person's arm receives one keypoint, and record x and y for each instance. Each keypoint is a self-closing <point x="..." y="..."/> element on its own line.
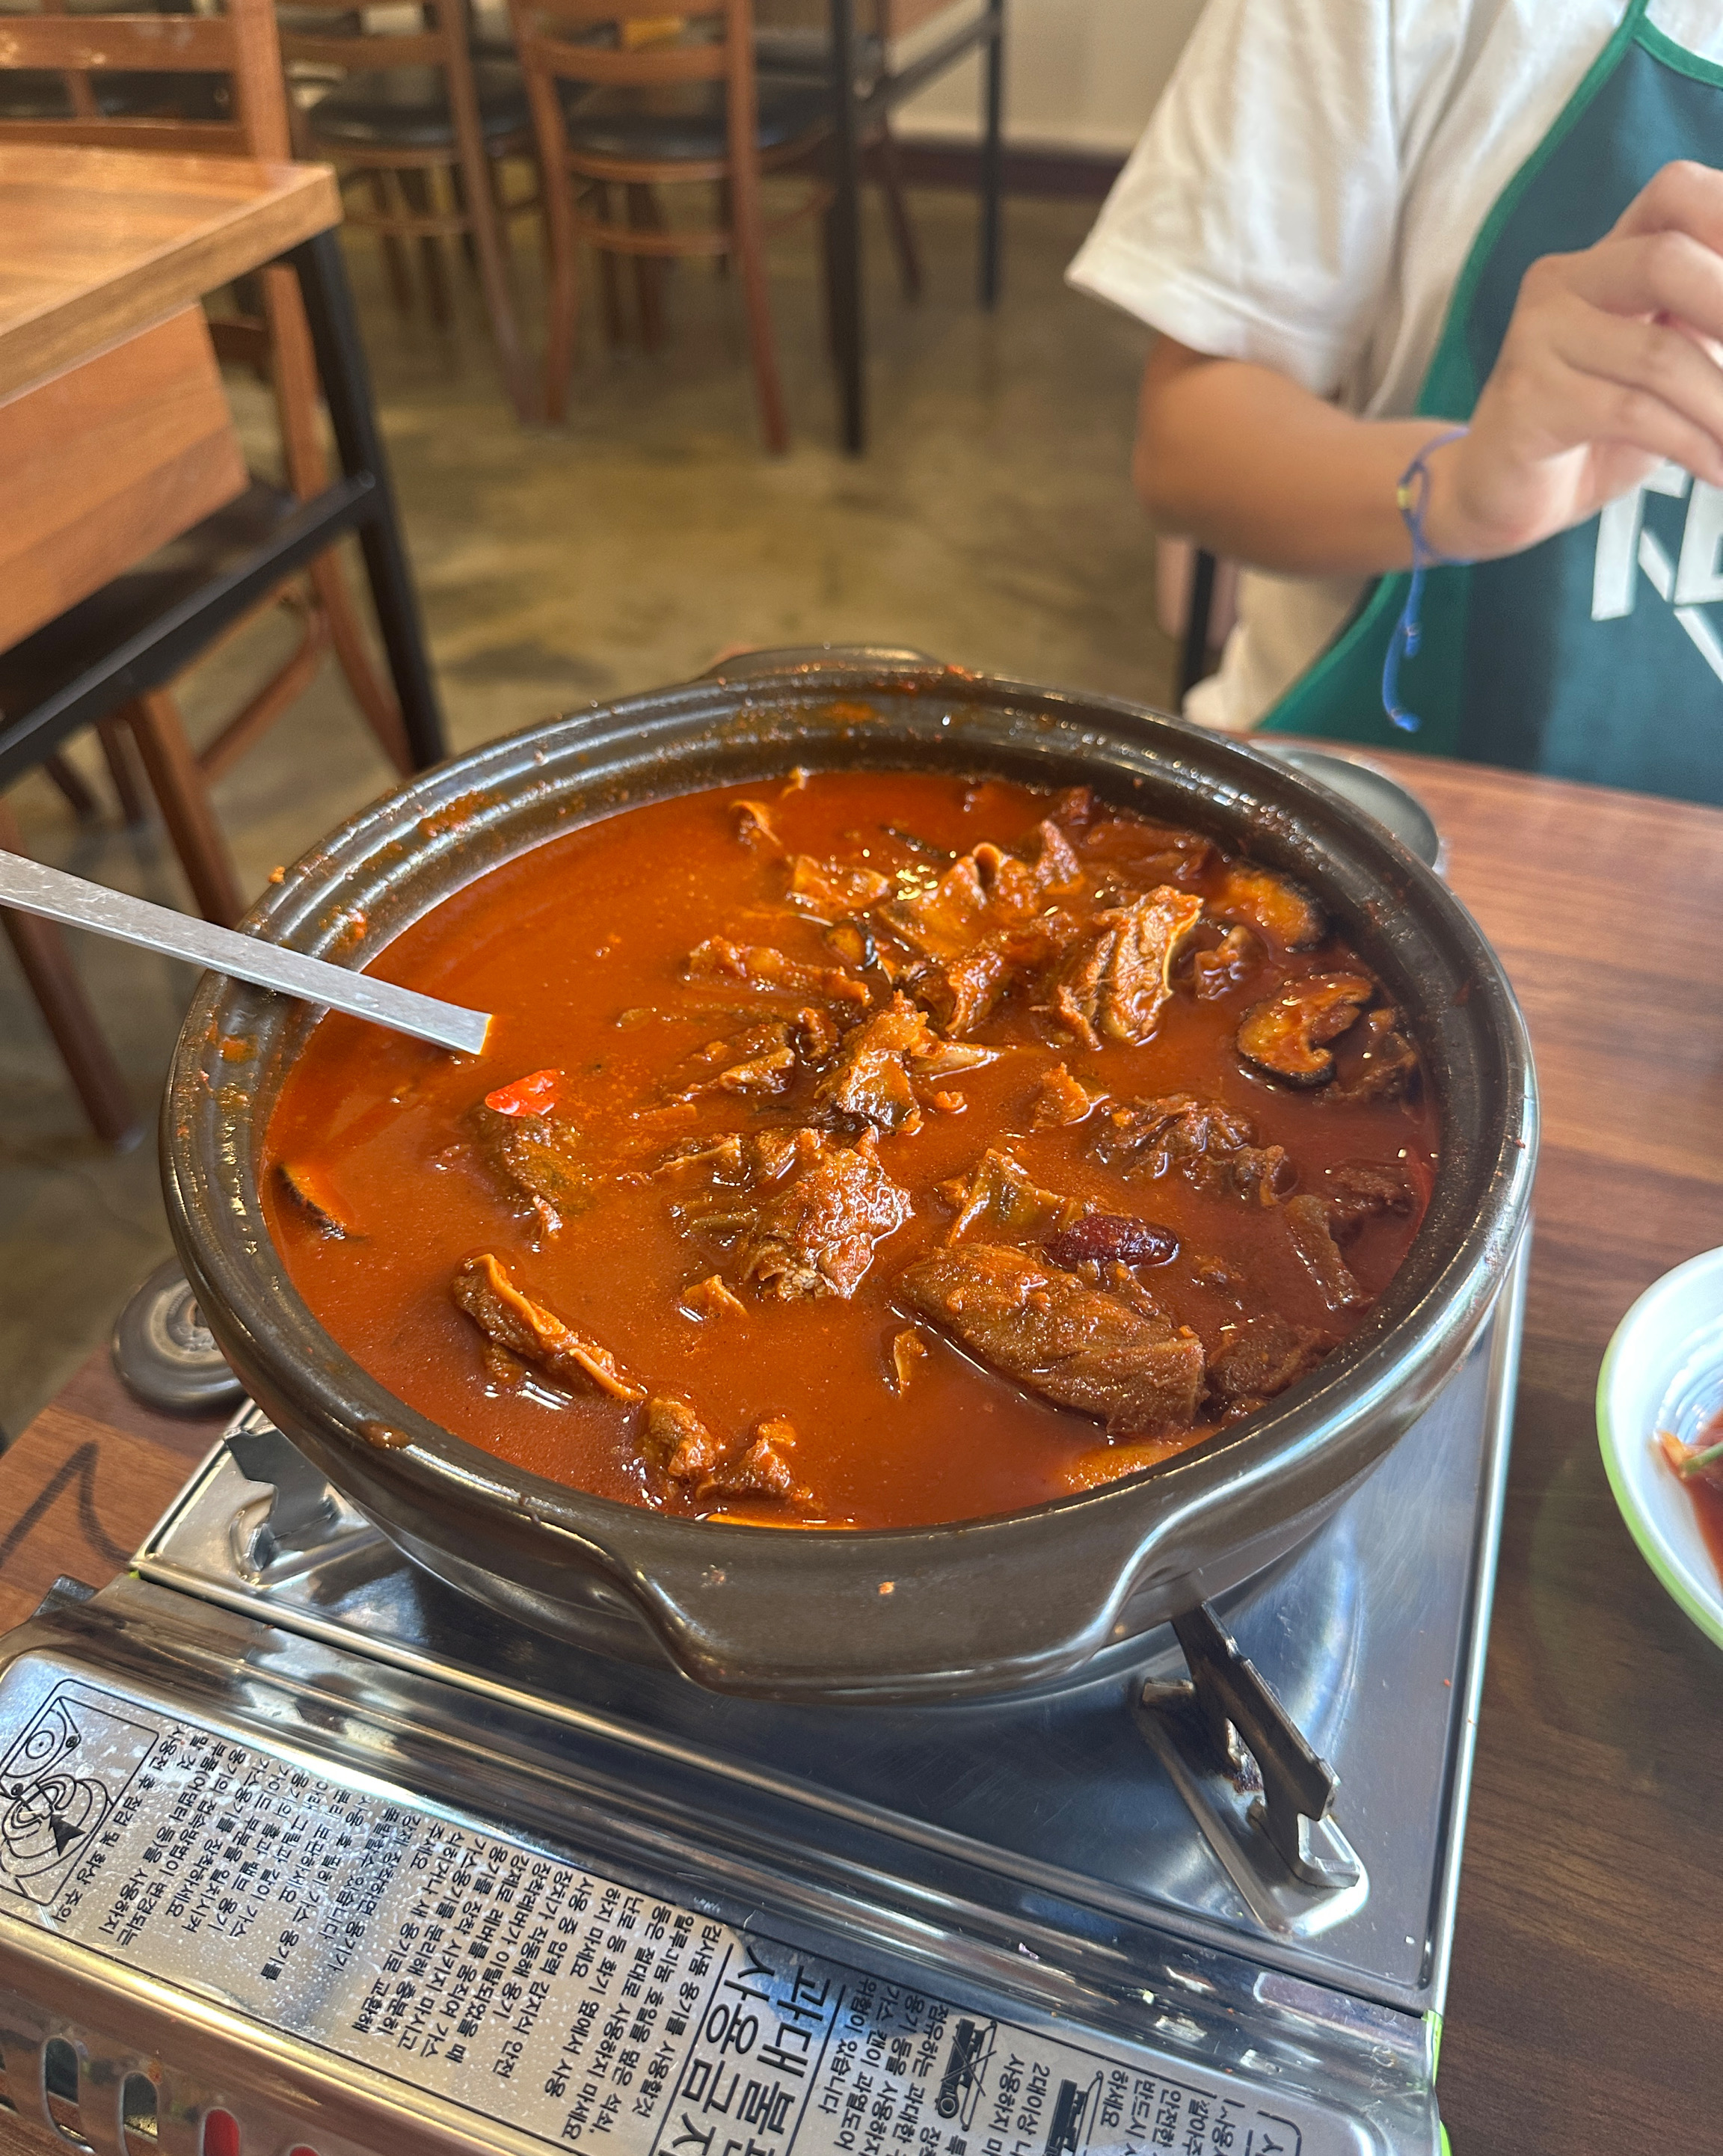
<point x="1611" y="364"/>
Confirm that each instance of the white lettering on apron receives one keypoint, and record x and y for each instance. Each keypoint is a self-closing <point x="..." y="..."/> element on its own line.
<point x="1624" y="547"/>
<point x="1697" y="581"/>
<point x="1619" y="549"/>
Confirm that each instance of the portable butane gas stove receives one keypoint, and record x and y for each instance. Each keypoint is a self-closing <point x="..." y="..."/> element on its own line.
<point x="294" y="1833"/>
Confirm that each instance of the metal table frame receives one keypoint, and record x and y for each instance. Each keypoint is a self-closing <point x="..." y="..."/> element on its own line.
<point x="361" y="500"/>
<point x="851" y="118"/>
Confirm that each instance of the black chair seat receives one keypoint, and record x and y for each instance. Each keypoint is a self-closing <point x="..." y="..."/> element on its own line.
<point x="806" y="52"/>
<point x="682" y="120"/>
<point x="406" y="108"/>
<point x="29" y="93"/>
<point x="70" y="644"/>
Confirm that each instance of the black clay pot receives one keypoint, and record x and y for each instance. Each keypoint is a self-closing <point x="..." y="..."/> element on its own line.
<point x="998" y="1604"/>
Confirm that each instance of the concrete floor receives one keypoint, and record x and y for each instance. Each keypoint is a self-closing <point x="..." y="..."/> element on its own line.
<point x="991" y="524"/>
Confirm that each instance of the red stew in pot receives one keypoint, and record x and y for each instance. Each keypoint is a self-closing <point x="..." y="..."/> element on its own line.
<point x="865" y="1149"/>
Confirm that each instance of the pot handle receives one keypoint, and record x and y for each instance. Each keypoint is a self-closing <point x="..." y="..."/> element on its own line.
<point x="797" y="1615"/>
<point x="820" y="657"/>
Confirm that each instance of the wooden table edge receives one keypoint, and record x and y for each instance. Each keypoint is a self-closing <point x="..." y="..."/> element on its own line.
<point x="304" y="201"/>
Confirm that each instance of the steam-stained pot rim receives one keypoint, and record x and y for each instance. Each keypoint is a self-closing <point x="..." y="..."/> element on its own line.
<point x="351" y="894"/>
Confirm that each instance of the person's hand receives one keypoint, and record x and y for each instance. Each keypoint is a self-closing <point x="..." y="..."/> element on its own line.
<point x="1613" y="361"/>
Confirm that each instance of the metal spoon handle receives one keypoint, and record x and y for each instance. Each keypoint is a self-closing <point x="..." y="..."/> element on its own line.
<point x="34" y="888"/>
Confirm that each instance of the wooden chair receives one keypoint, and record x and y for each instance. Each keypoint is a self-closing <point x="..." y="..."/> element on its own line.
<point x="46" y="964"/>
<point x="87" y="55"/>
<point x="613" y="110"/>
<point x="242" y="46"/>
<point x="418" y="129"/>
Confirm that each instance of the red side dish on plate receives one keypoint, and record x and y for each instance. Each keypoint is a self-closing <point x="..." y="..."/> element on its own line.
<point x="863" y="1149"/>
<point x="1699" y="1468"/>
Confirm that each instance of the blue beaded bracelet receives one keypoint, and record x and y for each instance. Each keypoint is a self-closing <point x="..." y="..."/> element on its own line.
<point x="1412" y="496"/>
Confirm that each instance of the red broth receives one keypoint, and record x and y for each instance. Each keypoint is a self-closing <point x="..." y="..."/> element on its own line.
<point x="581" y="950"/>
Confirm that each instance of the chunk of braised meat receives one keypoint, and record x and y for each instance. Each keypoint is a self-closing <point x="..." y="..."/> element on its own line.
<point x="698" y="1162"/>
<point x="724" y="1176"/>
<point x="986" y="890"/>
<point x="755" y="1063"/>
<point x="1260" y="1359"/>
<point x="1075" y="809"/>
<point x="541" y="1159"/>
<point x="761" y="966"/>
<point x="1275" y="904"/>
<point x="816" y="1034"/>
<point x="1115" y="984"/>
<point x="1104" y="1239"/>
<point x="871" y="1076"/>
<point x="880" y="1063"/>
<point x="816" y="1233"/>
<point x="829" y="890"/>
<point x="1213" y="1146"/>
<point x="1360" y="1190"/>
<point x="854" y="942"/>
<point x="962" y="991"/>
<point x="1132" y="852"/>
<point x="676" y="1442"/>
<point x="1233" y="960"/>
<point x="1309" y="1233"/>
<point x="1286" y="1035"/>
<point x="1055" y="1334"/>
<point x="1061" y="1100"/>
<point x="998" y="1195"/>
<point x="1387" y="1068"/>
<point x="311" y="1190"/>
<point x="773" y="1153"/>
<point x="959" y="991"/>
<point x="484" y="1288"/>
<point x="759" y="1469"/>
<point x="505" y="1373"/>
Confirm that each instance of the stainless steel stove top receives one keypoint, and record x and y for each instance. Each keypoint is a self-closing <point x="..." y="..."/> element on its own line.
<point x="280" y="1783"/>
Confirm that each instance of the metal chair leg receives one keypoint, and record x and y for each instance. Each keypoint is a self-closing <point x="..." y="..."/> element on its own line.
<point x="843" y="230"/>
<point x="346" y="389"/>
<point x="991" y="160"/>
<point x="1193" y="660"/>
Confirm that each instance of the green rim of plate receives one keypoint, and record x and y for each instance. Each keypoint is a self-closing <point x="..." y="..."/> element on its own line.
<point x="1707" y="1616"/>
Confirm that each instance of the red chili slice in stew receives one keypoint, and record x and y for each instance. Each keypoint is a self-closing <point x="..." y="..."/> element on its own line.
<point x="535" y="1094"/>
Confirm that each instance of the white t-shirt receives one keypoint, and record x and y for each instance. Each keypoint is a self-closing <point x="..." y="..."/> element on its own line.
<point x="1305" y="198"/>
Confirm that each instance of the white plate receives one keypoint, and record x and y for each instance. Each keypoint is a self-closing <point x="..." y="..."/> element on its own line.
<point x="1665" y="1371"/>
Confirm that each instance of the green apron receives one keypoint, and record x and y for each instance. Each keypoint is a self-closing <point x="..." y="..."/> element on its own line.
<point x="1597" y="655"/>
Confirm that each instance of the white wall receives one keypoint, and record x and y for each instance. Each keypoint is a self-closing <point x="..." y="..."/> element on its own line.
<point x="1080" y="75"/>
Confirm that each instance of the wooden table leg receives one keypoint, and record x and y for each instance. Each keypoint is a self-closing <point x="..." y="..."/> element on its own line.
<point x="183" y="795"/>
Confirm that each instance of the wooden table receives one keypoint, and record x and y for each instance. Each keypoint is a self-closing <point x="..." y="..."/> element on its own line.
<point x="1589" y="1954"/>
<point x="96" y="245"/>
